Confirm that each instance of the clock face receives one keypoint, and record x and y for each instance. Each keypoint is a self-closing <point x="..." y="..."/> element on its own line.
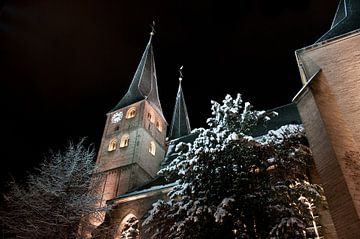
<point x="116" y="117"/>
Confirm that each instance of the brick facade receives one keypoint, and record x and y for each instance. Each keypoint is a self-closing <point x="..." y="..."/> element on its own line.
<point x="330" y="110"/>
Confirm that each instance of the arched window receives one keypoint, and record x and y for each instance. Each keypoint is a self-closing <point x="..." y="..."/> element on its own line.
<point x="150" y="117"/>
<point x="124" y="142"/>
<point x="131" y="113"/>
<point x="159" y="126"/>
<point x="129" y="227"/>
<point x="117" y="127"/>
<point x="112" y="145"/>
<point x="152" y="148"/>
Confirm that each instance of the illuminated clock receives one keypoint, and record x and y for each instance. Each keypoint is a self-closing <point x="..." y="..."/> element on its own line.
<point x="116" y="117"/>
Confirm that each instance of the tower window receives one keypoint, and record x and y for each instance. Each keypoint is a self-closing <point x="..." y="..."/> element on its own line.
<point x="117" y="128"/>
<point x="158" y="126"/>
<point x="112" y="145"/>
<point x="124" y="142"/>
<point x="131" y="113"/>
<point x="152" y="148"/>
<point x="150" y="117"/>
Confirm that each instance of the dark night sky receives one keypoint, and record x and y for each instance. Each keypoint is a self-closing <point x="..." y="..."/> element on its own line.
<point x="65" y="63"/>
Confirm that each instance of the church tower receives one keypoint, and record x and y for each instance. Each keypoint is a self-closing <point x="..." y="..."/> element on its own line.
<point x="129" y="188"/>
<point x="180" y="124"/>
<point x="133" y="142"/>
<point x="329" y="106"/>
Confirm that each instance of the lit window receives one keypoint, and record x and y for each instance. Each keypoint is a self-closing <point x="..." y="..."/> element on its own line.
<point x="152" y="148"/>
<point x="124" y="141"/>
<point x="158" y="126"/>
<point x="112" y="145"/>
<point x="131" y="113"/>
<point x="150" y="117"/>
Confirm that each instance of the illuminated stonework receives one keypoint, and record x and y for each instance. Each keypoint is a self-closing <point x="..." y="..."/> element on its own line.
<point x="329" y="106"/>
<point x="129" y="173"/>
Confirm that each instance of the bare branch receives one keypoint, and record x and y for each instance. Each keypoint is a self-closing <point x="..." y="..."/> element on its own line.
<point x="55" y="199"/>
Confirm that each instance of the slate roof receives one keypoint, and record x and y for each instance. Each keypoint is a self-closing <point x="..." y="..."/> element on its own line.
<point x="170" y="153"/>
<point x="144" y="82"/>
<point x="180" y="124"/>
<point x="287" y="114"/>
<point x="347" y="19"/>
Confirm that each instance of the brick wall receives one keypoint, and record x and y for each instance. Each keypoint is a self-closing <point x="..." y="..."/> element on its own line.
<point x="330" y="110"/>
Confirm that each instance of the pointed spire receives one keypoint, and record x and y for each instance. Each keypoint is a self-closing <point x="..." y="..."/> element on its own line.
<point x="180" y="125"/>
<point x="347" y="19"/>
<point x="144" y="82"/>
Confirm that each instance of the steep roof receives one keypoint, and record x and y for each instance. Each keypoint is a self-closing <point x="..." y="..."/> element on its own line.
<point x="347" y="19"/>
<point x="144" y="82"/>
<point x="180" y="124"/>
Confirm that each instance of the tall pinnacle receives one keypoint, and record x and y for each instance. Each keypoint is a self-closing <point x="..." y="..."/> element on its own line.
<point x="144" y="82"/>
<point x="347" y="19"/>
<point x="180" y="125"/>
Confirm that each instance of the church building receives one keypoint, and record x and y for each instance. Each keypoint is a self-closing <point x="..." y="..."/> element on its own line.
<point x="135" y="142"/>
<point x="133" y="147"/>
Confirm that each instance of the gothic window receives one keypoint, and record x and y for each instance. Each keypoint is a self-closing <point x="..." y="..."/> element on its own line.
<point x="112" y="145"/>
<point x="152" y="147"/>
<point x="158" y="126"/>
<point x="117" y="127"/>
<point x="129" y="227"/>
<point x="124" y="142"/>
<point x="131" y="113"/>
<point x="150" y="117"/>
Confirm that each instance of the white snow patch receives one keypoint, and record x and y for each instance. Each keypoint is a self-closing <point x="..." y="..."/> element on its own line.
<point x="221" y="211"/>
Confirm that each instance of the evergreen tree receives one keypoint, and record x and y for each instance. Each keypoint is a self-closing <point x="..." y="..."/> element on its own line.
<point x="55" y="199"/>
<point x="231" y="185"/>
<point x="131" y="229"/>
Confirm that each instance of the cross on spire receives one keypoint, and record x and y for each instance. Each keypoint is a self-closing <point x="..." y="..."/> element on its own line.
<point x="152" y="28"/>
<point x="181" y="73"/>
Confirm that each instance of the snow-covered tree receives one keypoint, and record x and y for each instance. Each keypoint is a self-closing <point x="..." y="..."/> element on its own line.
<point x="55" y="198"/>
<point x="231" y="185"/>
<point x="131" y="229"/>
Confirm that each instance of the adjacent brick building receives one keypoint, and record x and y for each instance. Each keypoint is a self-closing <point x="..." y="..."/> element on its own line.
<point x="329" y="105"/>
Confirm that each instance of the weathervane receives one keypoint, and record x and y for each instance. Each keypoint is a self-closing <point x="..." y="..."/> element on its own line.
<point x="181" y="73"/>
<point x="152" y="28"/>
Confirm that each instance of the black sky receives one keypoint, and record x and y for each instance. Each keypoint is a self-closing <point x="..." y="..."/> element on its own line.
<point x="65" y="63"/>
